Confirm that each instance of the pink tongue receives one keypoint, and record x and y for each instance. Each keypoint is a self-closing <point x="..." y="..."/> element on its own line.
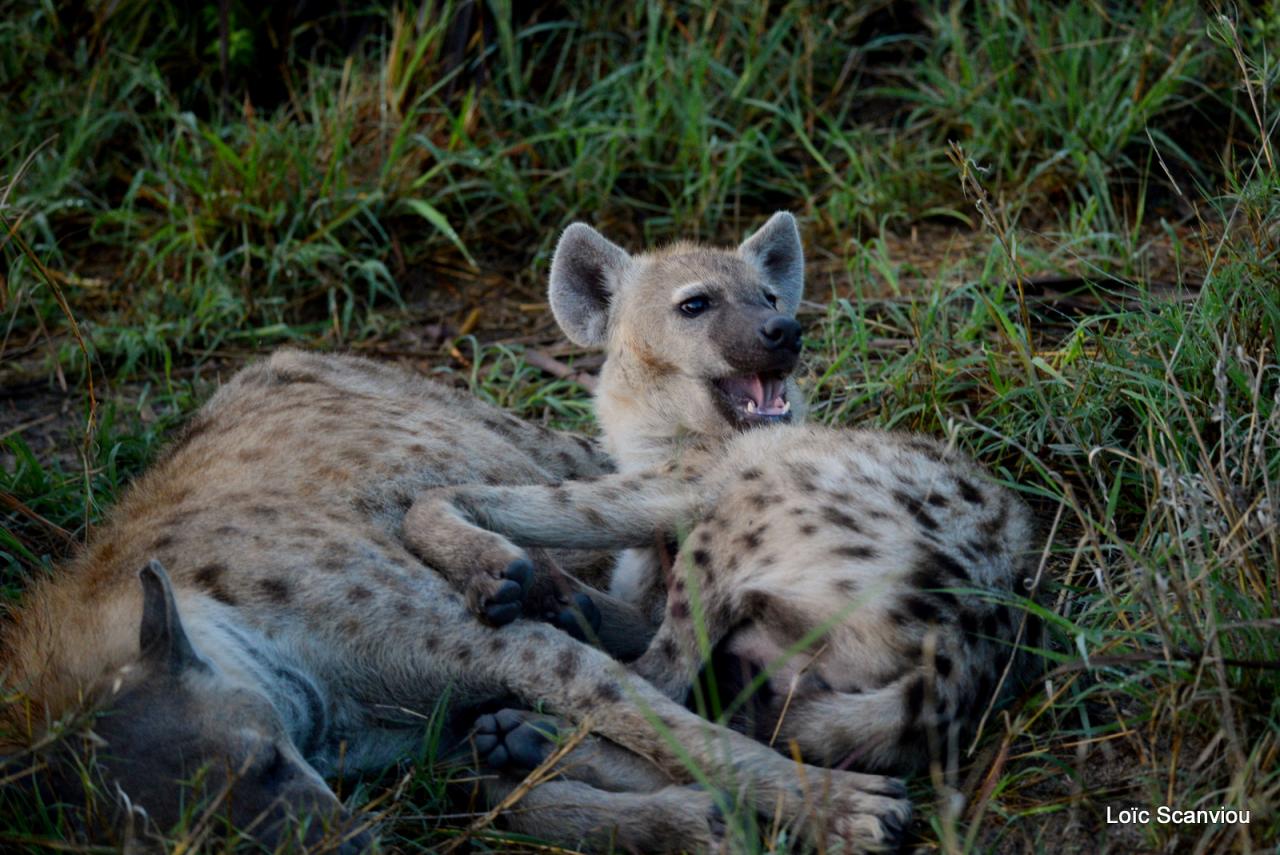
<point x="772" y="402"/>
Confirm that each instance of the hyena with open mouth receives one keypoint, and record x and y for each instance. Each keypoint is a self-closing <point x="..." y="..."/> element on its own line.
<point x="893" y="561"/>
<point x="249" y="623"/>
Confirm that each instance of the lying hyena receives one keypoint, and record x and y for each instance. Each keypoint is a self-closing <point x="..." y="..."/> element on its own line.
<point x="893" y="558"/>
<point x="293" y="637"/>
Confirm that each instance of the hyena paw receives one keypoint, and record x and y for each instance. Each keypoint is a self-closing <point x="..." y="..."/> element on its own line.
<point x="713" y="800"/>
<point x="498" y="600"/>
<point x="515" y="739"/>
<point x="873" y="817"/>
<point x="578" y="616"/>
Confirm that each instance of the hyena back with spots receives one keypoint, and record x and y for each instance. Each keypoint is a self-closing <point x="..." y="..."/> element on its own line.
<point x="895" y="557"/>
<point x="279" y="633"/>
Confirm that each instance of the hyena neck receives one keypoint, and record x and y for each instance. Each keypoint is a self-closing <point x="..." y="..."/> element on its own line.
<point x="250" y="658"/>
<point x="648" y="431"/>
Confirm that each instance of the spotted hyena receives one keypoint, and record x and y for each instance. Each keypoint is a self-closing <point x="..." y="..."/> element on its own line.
<point x="871" y="573"/>
<point x="249" y="609"/>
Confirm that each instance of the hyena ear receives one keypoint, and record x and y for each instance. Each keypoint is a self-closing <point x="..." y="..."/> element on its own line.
<point x="162" y="639"/>
<point x="777" y="251"/>
<point x="585" y="273"/>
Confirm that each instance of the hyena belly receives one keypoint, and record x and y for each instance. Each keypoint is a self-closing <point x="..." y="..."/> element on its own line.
<point x="897" y="560"/>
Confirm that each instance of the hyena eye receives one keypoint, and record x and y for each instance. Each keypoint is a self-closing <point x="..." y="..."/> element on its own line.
<point x="771" y="299"/>
<point x="695" y="306"/>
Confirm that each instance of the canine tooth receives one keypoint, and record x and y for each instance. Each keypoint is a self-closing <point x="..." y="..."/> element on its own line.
<point x="786" y="407"/>
<point x="751" y="406"/>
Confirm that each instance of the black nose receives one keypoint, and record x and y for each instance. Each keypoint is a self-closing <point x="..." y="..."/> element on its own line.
<point x="781" y="333"/>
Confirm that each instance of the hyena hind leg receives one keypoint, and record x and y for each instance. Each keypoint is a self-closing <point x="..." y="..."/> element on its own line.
<point x="602" y="797"/>
<point x="578" y="816"/>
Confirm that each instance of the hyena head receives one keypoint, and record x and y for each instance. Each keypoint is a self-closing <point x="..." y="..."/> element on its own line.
<point x="698" y="340"/>
<point x="177" y="737"/>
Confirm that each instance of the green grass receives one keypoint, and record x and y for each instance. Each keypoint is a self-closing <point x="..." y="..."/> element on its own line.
<point x="382" y="189"/>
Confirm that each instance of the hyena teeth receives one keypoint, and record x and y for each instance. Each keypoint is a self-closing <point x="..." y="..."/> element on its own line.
<point x="751" y="406"/>
<point x="786" y="407"/>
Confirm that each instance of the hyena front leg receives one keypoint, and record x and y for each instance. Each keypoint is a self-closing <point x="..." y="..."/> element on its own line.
<point x="701" y="610"/>
<point x="541" y="666"/>
<point x="467" y="532"/>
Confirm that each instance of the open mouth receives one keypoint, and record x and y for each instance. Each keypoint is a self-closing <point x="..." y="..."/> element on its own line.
<point x="754" y="398"/>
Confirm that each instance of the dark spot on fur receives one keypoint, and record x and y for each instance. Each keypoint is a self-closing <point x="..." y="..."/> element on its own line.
<point x="667" y="648"/>
<point x="209" y="577"/>
<point x="609" y="692"/>
<point x="358" y="593"/>
<point x="913" y="506"/>
<point x="808" y="529"/>
<point x="497" y="644"/>
<point x="847" y="587"/>
<point x="937" y="500"/>
<point x="759" y="501"/>
<point x="276" y="590"/>
<point x="679" y="609"/>
<point x="942" y="664"/>
<point x="925" y="447"/>
<point x="990" y="625"/>
<point x="701" y="557"/>
<point x="940" y="565"/>
<point x="969" y="624"/>
<point x="161" y="542"/>
<point x="857" y="550"/>
<point x="777" y="614"/>
<point x="403" y="609"/>
<point x="835" y="516"/>
<point x="750" y="474"/>
<point x="264" y="512"/>
<point x="750" y="540"/>
<point x="970" y="493"/>
<point x="920" y="608"/>
<point x="566" y="665"/>
<point x="527" y="655"/>
<point x="594" y="517"/>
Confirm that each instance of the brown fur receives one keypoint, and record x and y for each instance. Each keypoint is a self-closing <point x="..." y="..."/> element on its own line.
<point x="318" y="639"/>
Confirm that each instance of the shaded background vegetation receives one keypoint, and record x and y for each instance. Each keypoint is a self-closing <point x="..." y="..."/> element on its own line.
<point x="1047" y="231"/>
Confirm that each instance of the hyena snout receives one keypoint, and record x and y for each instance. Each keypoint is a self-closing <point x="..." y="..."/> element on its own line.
<point x="780" y="333"/>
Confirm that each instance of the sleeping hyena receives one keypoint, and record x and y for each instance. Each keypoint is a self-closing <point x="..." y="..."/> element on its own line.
<point x="249" y="623"/>
<point x="890" y="560"/>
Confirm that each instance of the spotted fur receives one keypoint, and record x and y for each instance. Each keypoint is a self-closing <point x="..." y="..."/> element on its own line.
<point x="906" y="552"/>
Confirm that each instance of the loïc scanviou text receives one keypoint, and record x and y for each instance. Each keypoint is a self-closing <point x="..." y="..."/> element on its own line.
<point x="1165" y="815"/>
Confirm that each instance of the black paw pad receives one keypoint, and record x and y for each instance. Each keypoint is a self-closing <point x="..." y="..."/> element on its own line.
<point x="504" y="605"/>
<point x="581" y="619"/>
<point x="520" y="571"/>
<point x="511" y="738"/>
